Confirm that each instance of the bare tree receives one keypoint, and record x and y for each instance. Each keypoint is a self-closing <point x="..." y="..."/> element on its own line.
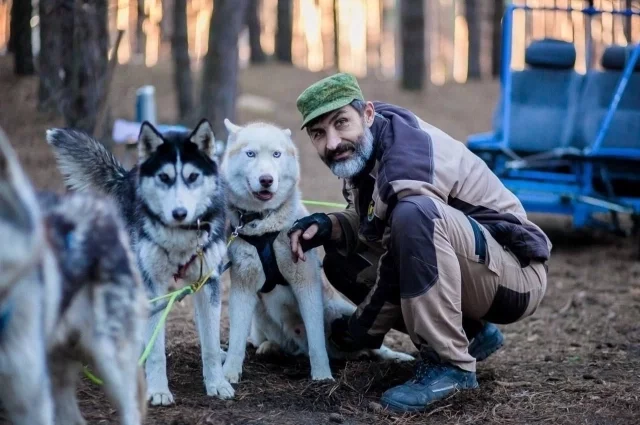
<point x="336" y="35"/>
<point x="253" y="24"/>
<point x="49" y="63"/>
<point x="20" y="37"/>
<point x="496" y="36"/>
<point x="284" y="33"/>
<point x="182" y="62"/>
<point x="472" y="14"/>
<point x="140" y="35"/>
<point x="221" y="64"/>
<point x="85" y="37"/>
<point x="627" y="22"/>
<point x="412" y="28"/>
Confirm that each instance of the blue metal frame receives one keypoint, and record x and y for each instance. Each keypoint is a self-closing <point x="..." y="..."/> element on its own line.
<point x="566" y="193"/>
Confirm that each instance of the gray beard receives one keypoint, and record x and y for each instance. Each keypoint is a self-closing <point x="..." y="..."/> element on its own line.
<point x="353" y="166"/>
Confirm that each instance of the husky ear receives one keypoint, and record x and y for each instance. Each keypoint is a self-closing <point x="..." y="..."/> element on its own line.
<point x="287" y="132"/>
<point x="9" y="165"/>
<point x="203" y="137"/>
<point x="17" y="195"/>
<point x="148" y="141"/>
<point x="231" y="127"/>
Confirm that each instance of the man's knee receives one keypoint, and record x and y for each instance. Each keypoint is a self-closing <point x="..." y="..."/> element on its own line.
<point x="414" y="213"/>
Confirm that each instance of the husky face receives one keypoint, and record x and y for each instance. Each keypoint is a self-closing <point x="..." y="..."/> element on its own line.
<point x="260" y="165"/>
<point x="178" y="173"/>
<point x="19" y="212"/>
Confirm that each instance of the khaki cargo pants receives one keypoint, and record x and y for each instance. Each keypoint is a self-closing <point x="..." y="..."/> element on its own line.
<point x="451" y="275"/>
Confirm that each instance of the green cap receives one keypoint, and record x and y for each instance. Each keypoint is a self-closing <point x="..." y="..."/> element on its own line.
<point x="327" y="95"/>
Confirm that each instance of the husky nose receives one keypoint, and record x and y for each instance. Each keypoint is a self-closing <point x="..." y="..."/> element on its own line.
<point x="266" y="180"/>
<point x="179" y="214"/>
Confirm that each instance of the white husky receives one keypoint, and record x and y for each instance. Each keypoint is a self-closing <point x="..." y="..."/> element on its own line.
<point x="292" y="302"/>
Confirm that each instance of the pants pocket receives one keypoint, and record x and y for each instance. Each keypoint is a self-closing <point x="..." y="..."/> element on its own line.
<point x="487" y="250"/>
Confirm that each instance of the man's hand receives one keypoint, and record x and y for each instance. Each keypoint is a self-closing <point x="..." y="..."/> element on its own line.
<point x="310" y="232"/>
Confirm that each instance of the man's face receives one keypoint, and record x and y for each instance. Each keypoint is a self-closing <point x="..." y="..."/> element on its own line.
<point x="343" y="139"/>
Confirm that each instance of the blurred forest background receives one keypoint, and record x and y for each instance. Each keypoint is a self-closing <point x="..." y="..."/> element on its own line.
<point x="79" y="63"/>
<point x="74" y="46"/>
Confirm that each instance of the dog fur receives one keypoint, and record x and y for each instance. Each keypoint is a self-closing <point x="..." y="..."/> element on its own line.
<point x="174" y="186"/>
<point x="290" y="318"/>
<point x="70" y="293"/>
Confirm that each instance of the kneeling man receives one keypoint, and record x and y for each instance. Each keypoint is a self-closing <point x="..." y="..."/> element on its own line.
<point x="431" y="242"/>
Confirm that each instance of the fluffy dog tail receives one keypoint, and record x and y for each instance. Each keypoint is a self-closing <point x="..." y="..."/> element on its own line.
<point x="85" y="163"/>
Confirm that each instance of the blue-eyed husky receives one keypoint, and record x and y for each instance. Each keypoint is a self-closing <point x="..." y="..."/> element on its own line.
<point x="70" y="293"/>
<point x="277" y="304"/>
<point x="174" y="205"/>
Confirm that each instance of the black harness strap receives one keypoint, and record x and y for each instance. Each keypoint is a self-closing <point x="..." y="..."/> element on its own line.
<point x="264" y="245"/>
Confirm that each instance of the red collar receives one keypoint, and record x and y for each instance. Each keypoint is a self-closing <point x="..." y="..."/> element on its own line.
<point x="182" y="268"/>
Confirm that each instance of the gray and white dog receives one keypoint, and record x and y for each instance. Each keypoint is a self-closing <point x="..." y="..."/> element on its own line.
<point x="279" y="305"/>
<point x="173" y="202"/>
<point x="70" y="293"/>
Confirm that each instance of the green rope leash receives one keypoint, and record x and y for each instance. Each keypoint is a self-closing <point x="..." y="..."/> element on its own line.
<point x="181" y="293"/>
<point x="324" y="204"/>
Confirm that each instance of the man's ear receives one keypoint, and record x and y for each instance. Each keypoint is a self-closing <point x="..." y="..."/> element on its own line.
<point x="369" y="113"/>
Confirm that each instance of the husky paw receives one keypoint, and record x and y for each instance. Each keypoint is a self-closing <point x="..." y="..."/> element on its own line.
<point x="220" y="388"/>
<point x="232" y="376"/>
<point x="160" y="398"/>
<point x="385" y="353"/>
<point x="322" y="376"/>
<point x="267" y="348"/>
<point x="232" y="373"/>
<point x="402" y="357"/>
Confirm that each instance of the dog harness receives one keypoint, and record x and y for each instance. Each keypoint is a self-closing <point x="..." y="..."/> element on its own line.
<point x="264" y="245"/>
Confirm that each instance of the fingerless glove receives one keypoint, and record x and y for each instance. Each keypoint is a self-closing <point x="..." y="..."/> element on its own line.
<point x="322" y="236"/>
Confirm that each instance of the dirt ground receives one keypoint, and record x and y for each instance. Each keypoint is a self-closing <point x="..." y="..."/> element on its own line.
<point x="576" y="361"/>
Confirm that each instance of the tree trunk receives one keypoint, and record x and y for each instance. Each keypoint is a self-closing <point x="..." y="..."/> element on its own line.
<point x="627" y="22"/>
<point x="253" y="24"/>
<point x="472" y="9"/>
<point x="20" y="33"/>
<point x="141" y="39"/>
<point x="412" y="30"/>
<point x="336" y="35"/>
<point x="85" y="56"/>
<point x="284" y="33"/>
<point x="166" y="22"/>
<point x="221" y="64"/>
<point x="50" y="57"/>
<point x="496" y="37"/>
<point x="182" y="62"/>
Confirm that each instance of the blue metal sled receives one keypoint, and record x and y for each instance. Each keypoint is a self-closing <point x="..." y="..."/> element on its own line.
<point x="568" y="143"/>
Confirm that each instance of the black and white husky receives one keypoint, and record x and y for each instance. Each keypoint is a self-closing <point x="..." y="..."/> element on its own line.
<point x="70" y="293"/>
<point x="173" y="202"/>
